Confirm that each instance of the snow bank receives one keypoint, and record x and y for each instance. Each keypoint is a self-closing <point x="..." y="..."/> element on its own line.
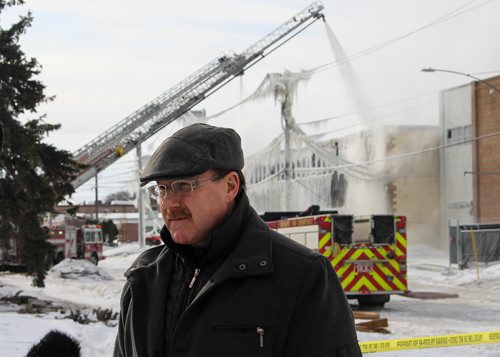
<point x="78" y="270"/>
<point x="124" y="250"/>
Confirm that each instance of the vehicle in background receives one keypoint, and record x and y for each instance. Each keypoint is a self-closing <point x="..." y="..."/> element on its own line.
<point x="75" y="239"/>
<point x="153" y="237"/>
<point x="368" y="253"/>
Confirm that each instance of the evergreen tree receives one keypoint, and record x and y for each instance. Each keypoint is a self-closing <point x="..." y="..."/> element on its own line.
<point x="34" y="176"/>
<point x="109" y="231"/>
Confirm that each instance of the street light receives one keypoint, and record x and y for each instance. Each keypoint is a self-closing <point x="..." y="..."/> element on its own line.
<point x="492" y="87"/>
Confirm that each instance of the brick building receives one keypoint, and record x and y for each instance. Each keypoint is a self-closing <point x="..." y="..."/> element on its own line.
<point x="470" y="162"/>
<point x="486" y="152"/>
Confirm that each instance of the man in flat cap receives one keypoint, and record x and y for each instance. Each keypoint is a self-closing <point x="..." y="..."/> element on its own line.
<point x="224" y="284"/>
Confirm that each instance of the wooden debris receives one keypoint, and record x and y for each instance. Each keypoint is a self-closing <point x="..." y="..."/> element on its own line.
<point x="366" y="315"/>
<point x="374" y="323"/>
<point x="428" y="295"/>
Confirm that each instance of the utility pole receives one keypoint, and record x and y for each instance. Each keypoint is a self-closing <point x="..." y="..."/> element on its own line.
<point x="285" y="85"/>
<point x="96" y="198"/>
<point x="140" y="205"/>
<point x="286" y="122"/>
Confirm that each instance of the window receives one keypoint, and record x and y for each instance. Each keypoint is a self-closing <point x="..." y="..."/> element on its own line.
<point x="93" y="236"/>
<point x="458" y="134"/>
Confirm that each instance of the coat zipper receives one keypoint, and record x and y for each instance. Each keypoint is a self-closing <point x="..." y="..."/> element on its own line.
<point x="260" y="331"/>
<point x="195" y="275"/>
<point x="231" y="329"/>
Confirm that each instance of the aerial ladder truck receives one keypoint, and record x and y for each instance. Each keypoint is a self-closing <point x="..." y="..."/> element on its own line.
<point x="134" y="129"/>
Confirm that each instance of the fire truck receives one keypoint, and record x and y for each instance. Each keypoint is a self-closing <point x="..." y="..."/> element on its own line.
<point x="368" y="253"/>
<point x="75" y="239"/>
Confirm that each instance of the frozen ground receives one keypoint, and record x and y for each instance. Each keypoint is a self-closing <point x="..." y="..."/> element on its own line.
<point x="76" y="285"/>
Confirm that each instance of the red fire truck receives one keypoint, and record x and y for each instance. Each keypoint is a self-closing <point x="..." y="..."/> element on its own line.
<point x="368" y="253"/>
<point x="73" y="239"/>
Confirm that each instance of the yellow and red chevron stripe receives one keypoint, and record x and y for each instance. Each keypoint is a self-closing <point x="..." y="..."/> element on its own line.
<point x="401" y="236"/>
<point x="325" y="236"/>
<point x="380" y="275"/>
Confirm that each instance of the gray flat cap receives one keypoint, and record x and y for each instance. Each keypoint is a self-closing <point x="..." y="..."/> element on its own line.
<point x="193" y="150"/>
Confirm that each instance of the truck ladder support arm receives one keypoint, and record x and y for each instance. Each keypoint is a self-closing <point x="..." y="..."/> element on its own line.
<point x="170" y="105"/>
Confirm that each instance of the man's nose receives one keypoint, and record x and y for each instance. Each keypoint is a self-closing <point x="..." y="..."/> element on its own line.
<point x="170" y="200"/>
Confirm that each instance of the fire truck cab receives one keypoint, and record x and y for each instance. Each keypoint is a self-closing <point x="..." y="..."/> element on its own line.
<point x="368" y="253"/>
<point x="75" y="240"/>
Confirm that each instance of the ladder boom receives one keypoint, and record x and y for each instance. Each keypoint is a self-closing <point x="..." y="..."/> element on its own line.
<point x="161" y="111"/>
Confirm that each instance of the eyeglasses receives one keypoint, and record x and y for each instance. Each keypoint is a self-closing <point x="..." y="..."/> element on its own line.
<point x="179" y="187"/>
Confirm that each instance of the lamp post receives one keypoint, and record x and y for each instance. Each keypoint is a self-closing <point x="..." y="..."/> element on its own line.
<point x="492" y="87"/>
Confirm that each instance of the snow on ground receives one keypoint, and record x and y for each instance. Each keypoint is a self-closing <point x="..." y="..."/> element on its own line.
<point x="76" y="284"/>
<point x="477" y="309"/>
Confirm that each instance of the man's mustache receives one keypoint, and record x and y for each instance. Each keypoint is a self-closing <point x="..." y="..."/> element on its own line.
<point x="177" y="213"/>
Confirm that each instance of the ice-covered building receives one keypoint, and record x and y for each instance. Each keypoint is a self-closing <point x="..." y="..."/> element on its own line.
<point x="386" y="170"/>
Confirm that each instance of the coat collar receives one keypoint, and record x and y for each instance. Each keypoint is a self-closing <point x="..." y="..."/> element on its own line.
<point x="251" y="256"/>
<point x="240" y="238"/>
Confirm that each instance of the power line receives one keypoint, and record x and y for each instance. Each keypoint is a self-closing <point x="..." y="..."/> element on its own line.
<point x="325" y="120"/>
<point x="382" y="45"/>
<point x="400" y="156"/>
<point x="372" y="120"/>
<point x="319" y="121"/>
<point x="320" y="197"/>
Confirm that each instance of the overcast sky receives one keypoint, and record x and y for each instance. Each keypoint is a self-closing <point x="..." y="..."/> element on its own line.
<point x="105" y="59"/>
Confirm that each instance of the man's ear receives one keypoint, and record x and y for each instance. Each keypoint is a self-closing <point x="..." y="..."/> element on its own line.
<point x="232" y="185"/>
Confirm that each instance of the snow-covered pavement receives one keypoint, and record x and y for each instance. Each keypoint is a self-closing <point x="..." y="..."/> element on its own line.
<point x="78" y="285"/>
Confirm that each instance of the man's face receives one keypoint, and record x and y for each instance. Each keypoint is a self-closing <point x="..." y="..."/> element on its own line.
<point x="191" y="217"/>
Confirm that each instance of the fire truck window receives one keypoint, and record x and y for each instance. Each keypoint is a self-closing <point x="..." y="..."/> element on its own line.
<point x="99" y="237"/>
<point x="383" y="229"/>
<point x="312" y="240"/>
<point x="362" y="228"/>
<point x="298" y="237"/>
<point x="90" y="237"/>
<point x="342" y="229"/>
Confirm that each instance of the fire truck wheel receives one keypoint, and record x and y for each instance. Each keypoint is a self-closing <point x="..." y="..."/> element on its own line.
<point x="373" y="300"/>
<point x="50" y="260"/>
<point x="93" y="259"/>
<point x="59" y="258"/>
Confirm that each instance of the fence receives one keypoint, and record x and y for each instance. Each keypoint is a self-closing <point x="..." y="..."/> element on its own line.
<point x="474" y="242"/>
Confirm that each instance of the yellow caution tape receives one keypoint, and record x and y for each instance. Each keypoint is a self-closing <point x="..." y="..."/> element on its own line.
<point x="430" y="342"/>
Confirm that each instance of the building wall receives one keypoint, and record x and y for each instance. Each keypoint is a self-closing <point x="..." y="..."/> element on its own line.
<point x="456" y="160"/>
<point x="487" y="151"/>
<point x="414" y="181"/>
<point x="127" y="232"/>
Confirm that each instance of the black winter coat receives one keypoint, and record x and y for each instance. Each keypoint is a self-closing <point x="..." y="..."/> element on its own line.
<point x="270" y="297"/>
